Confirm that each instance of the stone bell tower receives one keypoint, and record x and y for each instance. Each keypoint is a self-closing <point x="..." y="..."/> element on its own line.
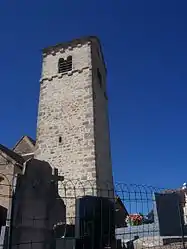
<point x="72" y="126"/>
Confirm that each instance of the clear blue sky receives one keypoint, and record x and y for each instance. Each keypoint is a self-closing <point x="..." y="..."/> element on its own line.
<point x="145" y="48"/>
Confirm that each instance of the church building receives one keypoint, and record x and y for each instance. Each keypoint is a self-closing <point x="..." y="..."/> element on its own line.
<point x="72" y="125"/>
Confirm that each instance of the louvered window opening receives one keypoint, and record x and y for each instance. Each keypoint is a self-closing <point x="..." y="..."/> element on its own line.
<point x="65" y="65"/>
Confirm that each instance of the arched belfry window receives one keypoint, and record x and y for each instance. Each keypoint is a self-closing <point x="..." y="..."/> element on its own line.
<point x="65" y="65"/>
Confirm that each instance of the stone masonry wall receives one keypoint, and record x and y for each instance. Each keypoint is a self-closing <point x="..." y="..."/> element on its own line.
<point x="72" y="129"/>
<point x="102" y="134"/>
<point x="66" y="113"/>
<point x="6" y="171"/>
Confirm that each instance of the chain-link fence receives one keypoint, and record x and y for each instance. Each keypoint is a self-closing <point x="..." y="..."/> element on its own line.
<point x="39" y="209"/>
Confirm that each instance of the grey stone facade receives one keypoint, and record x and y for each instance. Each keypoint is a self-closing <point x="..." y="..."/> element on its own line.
<point x="72" y="128"/>
<point x="9" y="167"/>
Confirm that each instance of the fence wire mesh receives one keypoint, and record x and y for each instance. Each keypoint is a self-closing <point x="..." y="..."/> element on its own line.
<point x="46" y="211"/>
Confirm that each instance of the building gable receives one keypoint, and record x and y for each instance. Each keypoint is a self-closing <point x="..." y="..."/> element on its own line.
<point x="24" y="146"/>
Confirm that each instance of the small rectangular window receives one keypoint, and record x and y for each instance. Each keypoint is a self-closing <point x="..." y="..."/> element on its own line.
<point x="99" y="76"/>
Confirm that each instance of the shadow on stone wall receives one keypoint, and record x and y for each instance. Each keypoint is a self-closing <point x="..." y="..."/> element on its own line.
<point x="37" y="207"/>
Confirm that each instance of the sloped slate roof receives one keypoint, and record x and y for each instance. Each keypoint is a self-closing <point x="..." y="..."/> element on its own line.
<point x="12" y="154"/>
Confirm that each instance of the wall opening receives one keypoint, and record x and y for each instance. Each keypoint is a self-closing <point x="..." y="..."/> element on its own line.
<point x="1" y="178"/>
<point x="60" y="140"/>
<point x="65" y="65"/>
